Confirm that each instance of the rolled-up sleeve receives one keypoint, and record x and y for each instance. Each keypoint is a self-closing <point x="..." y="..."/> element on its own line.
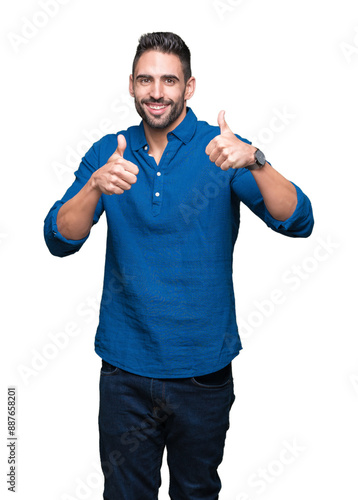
<point x="55" y="241"/>
<point x="299" y="225"/>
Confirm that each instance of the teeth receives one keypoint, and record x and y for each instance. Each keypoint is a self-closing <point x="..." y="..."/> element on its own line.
<point x="156" y="107"/>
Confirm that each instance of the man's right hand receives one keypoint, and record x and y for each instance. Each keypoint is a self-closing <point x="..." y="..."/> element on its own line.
<point x="118" y="174"/>
<point x="75" y="217"/>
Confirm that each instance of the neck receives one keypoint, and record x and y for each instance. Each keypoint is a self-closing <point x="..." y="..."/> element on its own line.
<point x="157" y="138"/>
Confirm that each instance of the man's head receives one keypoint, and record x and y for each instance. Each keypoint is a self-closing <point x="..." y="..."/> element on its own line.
<point x="167" y="43"/>
<point x="161" y="80"/>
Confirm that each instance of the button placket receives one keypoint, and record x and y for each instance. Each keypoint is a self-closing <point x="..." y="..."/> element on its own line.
<point x="158" y="180"/>
<point x="157" y="193"/>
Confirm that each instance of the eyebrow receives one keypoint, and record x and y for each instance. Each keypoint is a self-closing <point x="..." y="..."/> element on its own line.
<point x="173" y="77"/>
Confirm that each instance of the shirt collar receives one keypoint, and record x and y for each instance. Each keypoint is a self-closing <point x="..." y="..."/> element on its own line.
<point x="184" y="131"/>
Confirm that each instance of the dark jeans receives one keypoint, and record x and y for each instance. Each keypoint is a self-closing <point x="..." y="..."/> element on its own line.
<point x="139" y="416"/>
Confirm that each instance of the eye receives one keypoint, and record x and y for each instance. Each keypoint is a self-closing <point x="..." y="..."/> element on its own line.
<point x="144" y="81"/>
<point x="170" y="81"/>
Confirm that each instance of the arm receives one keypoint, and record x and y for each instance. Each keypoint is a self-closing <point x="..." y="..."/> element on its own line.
<point x="69" y="221"/>
<point x="75" y="217"/>
<point x="278" y="202"/>
<point x="227" y="151"/>
<point x="278" y="193"/>
<point x="298" y="225"/>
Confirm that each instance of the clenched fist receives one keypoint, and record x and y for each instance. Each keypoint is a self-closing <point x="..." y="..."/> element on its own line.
<point x="227" y="151"/>
<point x="118" y="174"/>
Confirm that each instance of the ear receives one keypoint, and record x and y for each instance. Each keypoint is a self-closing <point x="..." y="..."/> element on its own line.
<point x="190" y="88"/>
<point x="131" y="85"/>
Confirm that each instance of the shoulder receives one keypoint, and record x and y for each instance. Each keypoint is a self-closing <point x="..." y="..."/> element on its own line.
<point x="110" y="140"/>
<point x="204" y="129"/>
<point x="105" y="147"/>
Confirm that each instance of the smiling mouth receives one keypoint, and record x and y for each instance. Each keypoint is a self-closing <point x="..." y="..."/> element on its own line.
<point x="156" y="109"/>
<point x="153" y="106"/>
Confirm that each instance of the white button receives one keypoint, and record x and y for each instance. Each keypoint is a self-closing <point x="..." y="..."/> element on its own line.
<point x="157" y="194"/>
<point x="146" y="148"/>
<point x="159" y="174"/>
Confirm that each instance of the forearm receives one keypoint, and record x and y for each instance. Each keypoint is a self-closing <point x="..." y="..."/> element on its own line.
<point x="278" y="193"/>
<point x="75" y="217"/>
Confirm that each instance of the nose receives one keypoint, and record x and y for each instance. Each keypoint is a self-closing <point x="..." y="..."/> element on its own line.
<point x="156" y="90"/>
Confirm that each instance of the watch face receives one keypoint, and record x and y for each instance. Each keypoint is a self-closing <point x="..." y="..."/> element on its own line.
<point x="260" y="157"/>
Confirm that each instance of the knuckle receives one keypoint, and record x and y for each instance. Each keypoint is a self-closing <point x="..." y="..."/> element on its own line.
<point x="226" y="152"/>
<point x="134" y="168"/>
<point x="214" y="154"/>
<point x="119" y="167"/>
<point x="113" y="178"/>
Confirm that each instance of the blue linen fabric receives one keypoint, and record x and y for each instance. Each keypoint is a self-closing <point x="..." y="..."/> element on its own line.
<point x="168" y="305"/>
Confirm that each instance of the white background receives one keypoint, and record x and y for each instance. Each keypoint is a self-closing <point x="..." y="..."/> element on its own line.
<point x="296" y="380"/>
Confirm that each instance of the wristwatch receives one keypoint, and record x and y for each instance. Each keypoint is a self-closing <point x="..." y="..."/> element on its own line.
<point x="260" y="161"/>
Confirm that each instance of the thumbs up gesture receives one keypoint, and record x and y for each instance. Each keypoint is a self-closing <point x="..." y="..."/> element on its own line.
<point x="118" y="174"/>
<point x="121" y="145"/>
<point x="227" y="151"/>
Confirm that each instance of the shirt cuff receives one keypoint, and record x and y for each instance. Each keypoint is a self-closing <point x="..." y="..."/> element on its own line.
<point x="300" y="224"/>
<point x="56" y="242"/>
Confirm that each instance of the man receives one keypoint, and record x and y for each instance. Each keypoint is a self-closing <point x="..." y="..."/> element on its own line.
<point x="171" y="189"/>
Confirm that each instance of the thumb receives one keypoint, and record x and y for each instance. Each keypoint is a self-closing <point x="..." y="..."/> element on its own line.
<point x="122" y="144"/>
<point x="224" y="127"/>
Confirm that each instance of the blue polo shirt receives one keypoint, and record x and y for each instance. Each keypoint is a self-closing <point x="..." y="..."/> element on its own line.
<point x="168" y="305"/>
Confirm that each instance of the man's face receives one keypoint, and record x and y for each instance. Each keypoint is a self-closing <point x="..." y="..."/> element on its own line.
<point x="159" y="89"/>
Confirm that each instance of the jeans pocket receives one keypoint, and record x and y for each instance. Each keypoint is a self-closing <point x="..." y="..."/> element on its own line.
<point x="210" y="385"/>
<point x="108" y="369"/>
<point x="218" y="379"/>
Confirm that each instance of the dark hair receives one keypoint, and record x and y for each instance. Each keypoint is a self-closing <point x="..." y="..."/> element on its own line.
<point x="168" y="43"/>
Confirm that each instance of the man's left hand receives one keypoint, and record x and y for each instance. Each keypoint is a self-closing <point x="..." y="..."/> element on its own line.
<point x="227" y="151"/>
